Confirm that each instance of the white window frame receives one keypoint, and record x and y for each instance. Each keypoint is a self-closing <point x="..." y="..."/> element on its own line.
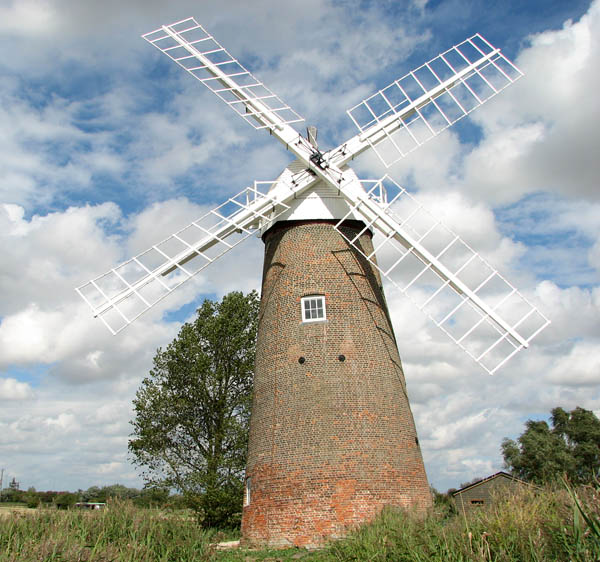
<point x="308" y="298"/>
<point x="247" y="491"/>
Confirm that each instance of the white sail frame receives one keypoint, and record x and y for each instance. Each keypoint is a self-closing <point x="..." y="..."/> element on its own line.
<point x="125" y="292"/>
<point x="195" y="50"/>
<point x="419" y="106"/>
<point x="443" y="276"/>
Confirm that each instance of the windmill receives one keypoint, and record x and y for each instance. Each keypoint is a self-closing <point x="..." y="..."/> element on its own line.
<point x="332" y="437"/>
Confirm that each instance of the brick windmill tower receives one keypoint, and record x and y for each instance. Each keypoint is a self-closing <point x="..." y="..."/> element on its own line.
<point x="332" y="437"/>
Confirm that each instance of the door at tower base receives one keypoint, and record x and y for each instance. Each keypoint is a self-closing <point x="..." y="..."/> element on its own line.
<point x="332" y="438"/>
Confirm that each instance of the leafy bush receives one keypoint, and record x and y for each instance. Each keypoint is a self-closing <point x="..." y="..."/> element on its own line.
<point x="64" y="500"/>
<point x="31" y="499"/>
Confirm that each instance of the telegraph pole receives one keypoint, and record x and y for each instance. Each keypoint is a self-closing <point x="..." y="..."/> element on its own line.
<point x="1" y="479"/>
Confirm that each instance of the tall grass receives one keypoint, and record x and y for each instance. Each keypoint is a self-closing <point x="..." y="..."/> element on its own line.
<point x="529" y="526"/>
<point x="121" y="532"/>
<point x="550" y="525"/>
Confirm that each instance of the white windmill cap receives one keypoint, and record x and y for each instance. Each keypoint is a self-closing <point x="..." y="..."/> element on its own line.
<point x="320" y="202"/>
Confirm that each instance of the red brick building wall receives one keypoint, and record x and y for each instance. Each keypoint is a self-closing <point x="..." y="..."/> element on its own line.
<point x="331" y="441"/>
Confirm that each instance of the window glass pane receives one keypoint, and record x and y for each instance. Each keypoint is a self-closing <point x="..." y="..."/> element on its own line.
<point x="313" y="308"/>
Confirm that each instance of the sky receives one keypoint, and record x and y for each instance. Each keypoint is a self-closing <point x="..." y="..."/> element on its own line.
<point x="107" y="147"/>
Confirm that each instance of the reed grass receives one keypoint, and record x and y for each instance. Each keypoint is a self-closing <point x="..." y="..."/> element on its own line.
<point x="533" y="525"/>
<point x="122" y="532"/>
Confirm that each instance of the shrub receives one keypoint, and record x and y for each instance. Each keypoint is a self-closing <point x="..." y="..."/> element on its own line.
<point x="31" y="499"/>
<point x="64" y="500"/>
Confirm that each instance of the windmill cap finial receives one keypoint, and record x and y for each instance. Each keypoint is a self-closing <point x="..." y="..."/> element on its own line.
<point x="311" y="135"/>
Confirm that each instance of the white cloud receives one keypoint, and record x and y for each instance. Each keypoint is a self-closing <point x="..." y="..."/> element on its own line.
<point x="594" y="255"/>
<point x="160" y="220"/>
<point x="24" y="336"/>
<point x="46" y="256"/>
<point x="28" y="17"/>
<point x="541" y="133"/>
<point x="111" y="468"/>
<point x="574" y="311"/>
<point x="12" y="389"/>
<point x="581" y="367"/>
<point x="66" y="422"/>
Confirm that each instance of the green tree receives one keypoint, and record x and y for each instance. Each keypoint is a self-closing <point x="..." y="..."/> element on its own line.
<point x="118" y="491"/>
<point x="191" y="413"/>
<point x="31" y="497"/>
<point x="64" y="500"/>
<point x="153" y="496"/>
<point x="580" y="429"/>
<point x="93" y="494"/>
<point x="12" y="495"/>
<point x="443" y="503"/>
<point x="47" y="497"/>
<point x="542" y="453"/>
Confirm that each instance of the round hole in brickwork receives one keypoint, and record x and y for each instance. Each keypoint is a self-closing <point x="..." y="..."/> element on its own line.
<point x="342" y="358"/>
<point x="301" y="360"/>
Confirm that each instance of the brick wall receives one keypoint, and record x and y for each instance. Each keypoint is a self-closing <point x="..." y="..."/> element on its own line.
<point x="331" y="442"/>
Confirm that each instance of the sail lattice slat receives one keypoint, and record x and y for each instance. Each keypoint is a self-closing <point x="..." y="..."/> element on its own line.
<point x="419" y="106"/>
<point x="125" y="292"/>
<point x="443" y="276"/>
<point x="189" y="45"/>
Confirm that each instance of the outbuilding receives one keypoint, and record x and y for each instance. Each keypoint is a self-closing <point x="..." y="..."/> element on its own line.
<point x="482" y="493"/>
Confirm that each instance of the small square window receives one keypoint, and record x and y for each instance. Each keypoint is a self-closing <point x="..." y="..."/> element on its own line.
<point x="313" y="308"/>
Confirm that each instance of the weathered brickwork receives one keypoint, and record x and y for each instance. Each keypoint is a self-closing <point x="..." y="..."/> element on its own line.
<point x="331" y="441"/>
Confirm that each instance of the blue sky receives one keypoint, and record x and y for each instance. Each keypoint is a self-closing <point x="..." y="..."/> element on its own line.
<point x="107" y="147"/>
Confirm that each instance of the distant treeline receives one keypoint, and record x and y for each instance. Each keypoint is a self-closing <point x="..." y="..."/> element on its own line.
<point x="146" y="497"/>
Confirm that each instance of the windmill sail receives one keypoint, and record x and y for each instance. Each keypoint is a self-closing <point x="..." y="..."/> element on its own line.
<point x="457" y="288"/>
<point x="188" y="44"/>
<point x="419" y="106"/>
<point x="122" y="294"/>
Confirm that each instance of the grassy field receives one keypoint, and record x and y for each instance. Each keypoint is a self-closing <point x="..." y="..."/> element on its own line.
<point x="7" y="509"/>
<point x="535" y="526"/>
